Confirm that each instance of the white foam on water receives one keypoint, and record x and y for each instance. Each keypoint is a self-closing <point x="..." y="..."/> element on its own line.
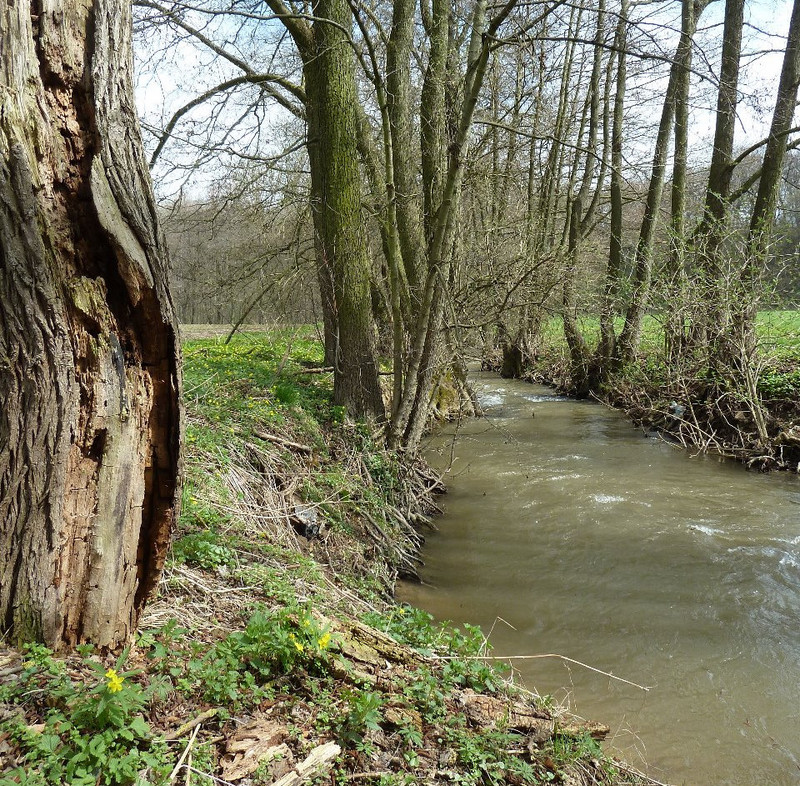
<point x="543" y="398"/>
<point x="704" y="530"/>
<point x="791" y="560"/>
<point x="605" y="499"/>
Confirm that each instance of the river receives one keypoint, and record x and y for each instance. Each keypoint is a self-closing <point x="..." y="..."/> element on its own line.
<point x="567" y="530"/>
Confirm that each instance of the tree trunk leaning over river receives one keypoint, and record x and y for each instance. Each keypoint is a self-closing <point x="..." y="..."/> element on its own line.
<point x="90" y="425"/>
<point x="763" y="216"/>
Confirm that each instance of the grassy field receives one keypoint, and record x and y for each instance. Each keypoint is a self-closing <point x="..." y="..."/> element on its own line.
<point x="778" y="331"/>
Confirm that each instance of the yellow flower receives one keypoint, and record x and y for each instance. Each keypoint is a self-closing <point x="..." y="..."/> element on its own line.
<point x="298" y="645"/>
<point x="323" y="641"/>
<point x="114" y="684"/>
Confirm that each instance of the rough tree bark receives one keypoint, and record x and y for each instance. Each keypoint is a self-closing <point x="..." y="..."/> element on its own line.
<point x="763" y="215"/>
<point x="676" y="264"/>
<point x="708" y="238"/>
<point x="90" y="380"/>
<point x="608" y="305"/>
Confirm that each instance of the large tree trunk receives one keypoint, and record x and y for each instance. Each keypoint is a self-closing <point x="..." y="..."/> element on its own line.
<point x="342" y="255"/>
<point x="399" y="51"/>
<point x="608" y="305"/>
<point x="90" y="422"/>
<point x="336" y="188"/>
<point x="708" y="239"/>
<point x="764" y="209"/>
<point x="676" y="263"/>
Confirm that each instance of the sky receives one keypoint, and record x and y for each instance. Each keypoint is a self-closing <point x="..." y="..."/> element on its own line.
<point x="160" y="91"/>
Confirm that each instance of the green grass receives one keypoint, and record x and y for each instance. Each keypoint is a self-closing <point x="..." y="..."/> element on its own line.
<point x="779" y="332"/>
<point x="256" y="377"/>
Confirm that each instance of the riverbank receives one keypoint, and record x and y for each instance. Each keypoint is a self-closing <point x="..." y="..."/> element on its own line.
<point x="755" y="421"/>
<point x="273" y="651"/>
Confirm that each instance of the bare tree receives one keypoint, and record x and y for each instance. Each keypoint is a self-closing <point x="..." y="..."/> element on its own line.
<point x="631" y="335"/>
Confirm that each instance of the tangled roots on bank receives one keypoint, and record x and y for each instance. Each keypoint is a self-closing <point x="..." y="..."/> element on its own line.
<point x="341" y="499"/>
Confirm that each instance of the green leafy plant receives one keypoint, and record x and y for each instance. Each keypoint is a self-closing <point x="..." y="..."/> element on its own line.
<point x="425" y="691"/>
<point x="417" y="628"/>
<point x="237" y="670"/>
<point x="363" y="713"/>
<point x="482" y="754"/>
<point x="774" y="384"/>
<point x="412" y="740"/>
<point x="204" y="550"/>
<point x="93" y="732"/>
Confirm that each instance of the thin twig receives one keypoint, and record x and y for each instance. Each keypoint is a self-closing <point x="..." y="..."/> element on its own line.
<point x="185" y="753"/>
<point x="633" y="771"/>
<point x="189" y="725"/>
<point x="539" y="657"/>
<point x="209" y="776"/>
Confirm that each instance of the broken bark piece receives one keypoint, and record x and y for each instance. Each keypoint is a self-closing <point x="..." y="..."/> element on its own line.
<point x="403" y="717"/>
<point x="490" y="711"/>
<point x="317" y="763"/>
<point x="370" y="645"/>
<point x="344" y="670"/>
<point x="261" y="739"/>
<point x="577" y="728"/>
<point x="539" y="737"/>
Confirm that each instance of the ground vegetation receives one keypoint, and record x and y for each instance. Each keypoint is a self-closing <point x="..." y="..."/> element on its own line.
<point x="273" y="652"/>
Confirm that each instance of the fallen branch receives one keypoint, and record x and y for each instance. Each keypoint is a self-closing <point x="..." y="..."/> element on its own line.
<point x="539" y="657"/>
<point x="284" y="443"/>
<point x="189" y="725"/>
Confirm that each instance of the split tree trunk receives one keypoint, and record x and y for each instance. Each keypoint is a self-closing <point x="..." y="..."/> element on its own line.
<point x="90" y="379"/>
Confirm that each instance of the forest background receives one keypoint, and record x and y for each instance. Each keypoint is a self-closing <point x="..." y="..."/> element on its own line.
<point x="596" y="173"/>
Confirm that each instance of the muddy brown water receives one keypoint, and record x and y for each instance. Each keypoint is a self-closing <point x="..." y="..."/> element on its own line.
<point x="567" y="530"/>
